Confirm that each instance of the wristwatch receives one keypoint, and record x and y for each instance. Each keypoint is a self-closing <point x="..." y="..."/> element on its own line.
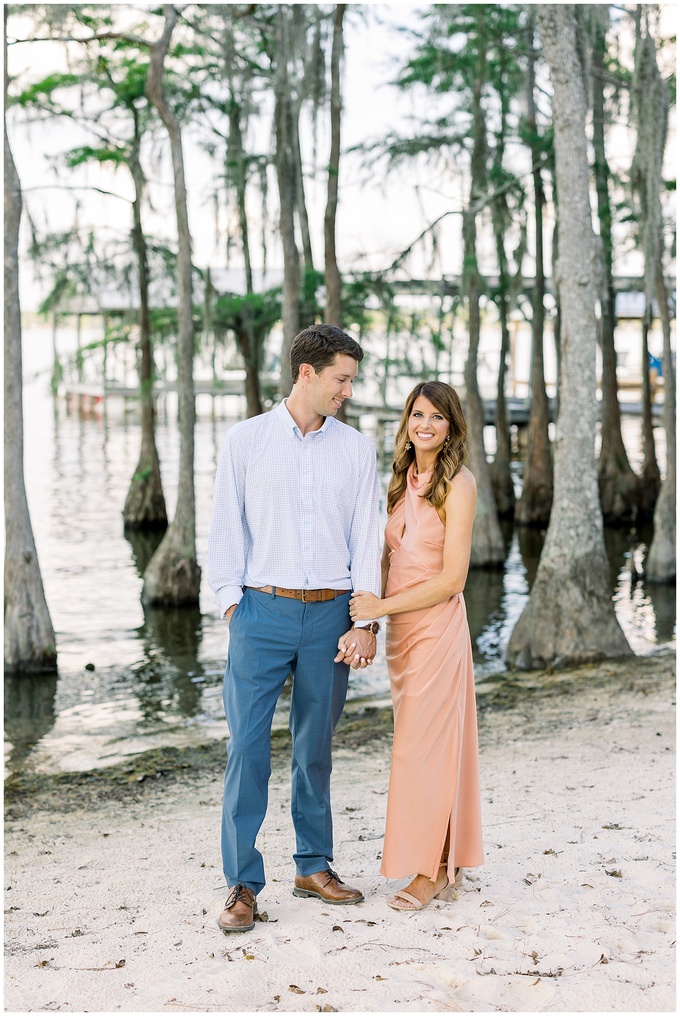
<point x="372" y="626"/>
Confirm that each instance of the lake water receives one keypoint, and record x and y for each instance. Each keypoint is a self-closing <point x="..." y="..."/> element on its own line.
<point x="158" y="673"/>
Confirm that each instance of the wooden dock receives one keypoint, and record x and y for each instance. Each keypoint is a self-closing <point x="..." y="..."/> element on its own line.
<point x="89" y="397"/>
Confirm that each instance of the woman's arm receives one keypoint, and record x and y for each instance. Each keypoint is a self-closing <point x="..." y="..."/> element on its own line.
<point x="385" y="566"/>
<point x="461" y="505"/>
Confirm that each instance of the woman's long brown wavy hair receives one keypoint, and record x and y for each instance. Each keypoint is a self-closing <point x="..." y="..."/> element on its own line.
<point x="450" y="458"/>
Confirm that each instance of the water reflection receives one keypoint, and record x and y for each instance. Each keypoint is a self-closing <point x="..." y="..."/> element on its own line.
<point x="29" y="713"/>
<point x="484" y="598"/>
<point x="663" y="607"/>
<point x="623" y="556"/>
<point x="143" y="546"/>
<point x="170" y="676"/>
<point x="484" y="595"/>
<point x="530" y="546"/>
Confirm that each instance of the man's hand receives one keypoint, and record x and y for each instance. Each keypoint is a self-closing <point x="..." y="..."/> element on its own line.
<point x="230" y="613"/>
<point x="356" y="647"/>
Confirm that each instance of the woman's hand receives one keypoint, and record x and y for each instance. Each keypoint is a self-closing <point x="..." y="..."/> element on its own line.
<point x="365" y="606"/>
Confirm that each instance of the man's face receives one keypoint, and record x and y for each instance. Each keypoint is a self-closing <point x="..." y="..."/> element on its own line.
<point x="328" y="389"/>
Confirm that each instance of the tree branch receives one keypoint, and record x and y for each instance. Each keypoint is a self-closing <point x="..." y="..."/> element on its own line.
<point x="72" y="187"/>
<point x="136" y="40"/>
<point x="407" y="251"/>
<point x="475" y="210"/>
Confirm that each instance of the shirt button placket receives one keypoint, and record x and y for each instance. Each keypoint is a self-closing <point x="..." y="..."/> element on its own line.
<point x="307" y="509"/>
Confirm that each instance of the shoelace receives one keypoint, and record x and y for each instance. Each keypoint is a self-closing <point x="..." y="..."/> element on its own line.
<point x="332" y="875"/>
<point x="239" y="892"/>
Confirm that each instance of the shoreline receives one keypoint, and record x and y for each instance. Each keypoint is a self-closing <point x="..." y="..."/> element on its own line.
<point x="113" y="883"/>
<point x="360" y="724"/>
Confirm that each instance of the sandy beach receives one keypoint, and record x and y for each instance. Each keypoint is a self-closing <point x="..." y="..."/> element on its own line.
<point x="113" y="885"/>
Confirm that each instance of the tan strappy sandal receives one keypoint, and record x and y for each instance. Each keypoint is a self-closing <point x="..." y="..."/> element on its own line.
<point x="447" y="893"/>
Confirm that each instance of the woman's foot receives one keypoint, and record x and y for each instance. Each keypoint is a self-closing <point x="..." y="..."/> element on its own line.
<point x="420" y="892"/>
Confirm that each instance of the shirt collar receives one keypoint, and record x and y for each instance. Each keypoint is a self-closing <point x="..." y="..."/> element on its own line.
<point x="287" y="420"/>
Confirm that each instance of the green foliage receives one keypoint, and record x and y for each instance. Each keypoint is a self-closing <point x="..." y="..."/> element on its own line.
<point x="471" y="56"/>
<point x="86" y="153"/>
<point x="62" y="287"/>
<point x="459" y="42"/>
<point x="359" y="292"/>
<point x="42" y="92"/>
<point x="126" y="77"/>
<point x="259" y="310"/>
<point x="163" y="321"/>
<point x="541" y="141"/>
<point x="312" y="283"/>
<point x="96" y="23"/>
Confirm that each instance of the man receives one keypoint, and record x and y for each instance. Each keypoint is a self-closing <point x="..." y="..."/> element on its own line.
<point x="294" y="529"/>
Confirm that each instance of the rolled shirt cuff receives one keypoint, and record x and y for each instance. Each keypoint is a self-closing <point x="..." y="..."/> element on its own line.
<point x="227" y="597"/>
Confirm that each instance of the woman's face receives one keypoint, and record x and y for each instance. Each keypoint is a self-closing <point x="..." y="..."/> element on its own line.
<point x="428" y="428"/>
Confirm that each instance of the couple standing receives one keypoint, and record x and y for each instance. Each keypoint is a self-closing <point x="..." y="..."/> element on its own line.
<point x="294" y="531"/>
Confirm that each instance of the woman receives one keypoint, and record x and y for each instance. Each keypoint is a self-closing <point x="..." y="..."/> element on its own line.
<point x="433" y="823"/>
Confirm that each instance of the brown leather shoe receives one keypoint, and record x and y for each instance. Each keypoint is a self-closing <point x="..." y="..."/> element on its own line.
<point x="327" y="886"/>
<point x="239" y="910"/>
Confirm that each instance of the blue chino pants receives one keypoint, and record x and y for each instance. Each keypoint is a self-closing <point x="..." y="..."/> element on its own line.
<point x="270" y="637"/>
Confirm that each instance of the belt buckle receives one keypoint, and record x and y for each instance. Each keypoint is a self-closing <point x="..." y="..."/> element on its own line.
<point x="310" y="595"/>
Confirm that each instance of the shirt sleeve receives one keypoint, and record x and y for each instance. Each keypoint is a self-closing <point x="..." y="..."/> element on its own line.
<point x="226" y="542"/>
<point x="364" y="541"/>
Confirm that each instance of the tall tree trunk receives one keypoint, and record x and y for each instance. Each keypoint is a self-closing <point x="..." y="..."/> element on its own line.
<point x="294" y="109"/>
<point x="332" y="274"/>
<point x="172" y="577"/>
<point x="570" y="615"/>
<point x="249" y="347"/>
<point x="619" y="486"/>
<point x="285" y="172"/>
<point x="660" y="563"/>
<point x="501" y="477"/>
<point x="488" y="549"/>
<point x="237" y="164"/>
<point x="250" y="343"/>
<point x="247" y="338"/>
<point x="534" y="505"/>
<point x="209" y="333"/>
<point x="557" y="322"/>
<point x="29" y="635"/>
<point x="651" y="475"/>
<point x="145" y="503"/>
<point x="650" y="105"/>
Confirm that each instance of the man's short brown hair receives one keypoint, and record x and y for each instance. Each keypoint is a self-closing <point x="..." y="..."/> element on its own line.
<point x="318" y="345"/>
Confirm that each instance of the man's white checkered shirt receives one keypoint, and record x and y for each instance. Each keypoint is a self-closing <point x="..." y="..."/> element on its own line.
<point x="293" y="511"/>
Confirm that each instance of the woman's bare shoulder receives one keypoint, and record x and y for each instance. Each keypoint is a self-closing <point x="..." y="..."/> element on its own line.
<point x="464" y="483"/>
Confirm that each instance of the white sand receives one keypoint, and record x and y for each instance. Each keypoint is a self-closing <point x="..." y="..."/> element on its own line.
<point x="113" y="909"/>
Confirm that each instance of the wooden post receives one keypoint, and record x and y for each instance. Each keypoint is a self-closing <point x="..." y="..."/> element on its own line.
<point x="105" y="365"/>
<point x="79" y="355"/>
<point x="56" y="366"/>
<point x="513" y="356"/>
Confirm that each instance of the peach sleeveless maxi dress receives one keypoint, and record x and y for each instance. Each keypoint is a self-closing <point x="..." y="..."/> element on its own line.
<point x="434" y="779"/>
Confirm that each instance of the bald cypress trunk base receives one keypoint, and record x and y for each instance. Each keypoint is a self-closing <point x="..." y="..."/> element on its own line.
<point x="488" y="547"/>
<point x="172" y="577"/>
<point x="619" y="492"/>
<point x="569" y="619"/>
<point x="145" y="502"/>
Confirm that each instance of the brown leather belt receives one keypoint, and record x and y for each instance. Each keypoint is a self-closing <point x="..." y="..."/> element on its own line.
<point x="306" y="595"/>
